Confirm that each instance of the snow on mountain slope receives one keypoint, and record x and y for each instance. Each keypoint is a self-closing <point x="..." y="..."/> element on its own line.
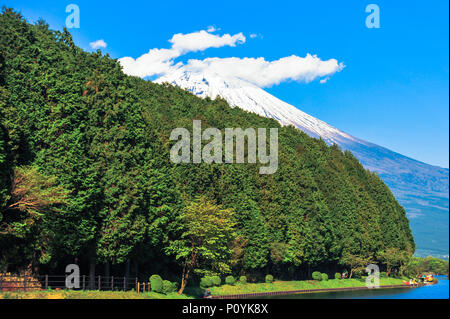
<point x="421" y="188"/>
<point x="253" y="99"/>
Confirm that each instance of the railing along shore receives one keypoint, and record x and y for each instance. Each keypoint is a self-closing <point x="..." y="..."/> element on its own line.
<point x="302" y="291"/>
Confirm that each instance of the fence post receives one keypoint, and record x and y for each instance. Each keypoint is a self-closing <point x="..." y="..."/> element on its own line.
<point x="112" y="283"/>
<point x="99" y="282"/>
<point x="46" y="282"/>
<point x="124" y="283"/>
<point x="25" y="282"/>
<point x="84" y="282"/>
<point x="1" y="282"/>
<point x="135" y="283"/>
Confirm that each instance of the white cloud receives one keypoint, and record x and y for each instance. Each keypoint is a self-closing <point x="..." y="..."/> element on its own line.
<point x="98" y="44"/>
<point x="156" y="61"/>
<point x="253" y="35"/>
<point x="202" y="40"/>
<point x="267" y="73"/>
<point x="160" y="61"/>
<point x="212" y="28"/>
<point x="324" y="80"/>
<point x="254" y="70"/>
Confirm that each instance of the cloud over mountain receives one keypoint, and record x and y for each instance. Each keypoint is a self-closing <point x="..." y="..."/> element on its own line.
<point x="202" y="40"/>
<point x="264" y="73"/>
<point x="160" y="61"/>
<point x="257" y="71"/>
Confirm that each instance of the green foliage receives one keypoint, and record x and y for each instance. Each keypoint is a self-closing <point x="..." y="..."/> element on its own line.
<point x="216" y="281"/>
<point x="243" y="279"/>
<point x="324" y="277"/>
<point x="169" y="287"/>
<point x="337" y="276"/>
<point x="415" y="266"/>
<point x="206" y="232"/>
<point x="99" y="141"/>
<point x="156" y="283"/>
<point x="269" y="279"/>
<point x="206" y="282"/>
<point x="356" y="263"/>
<point x="229" y="280"/>
<point x="392" y="258"/>
<point x="316" y="275"/>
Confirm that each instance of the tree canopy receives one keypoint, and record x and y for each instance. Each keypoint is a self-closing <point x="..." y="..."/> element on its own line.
<point x="101" y="138"/>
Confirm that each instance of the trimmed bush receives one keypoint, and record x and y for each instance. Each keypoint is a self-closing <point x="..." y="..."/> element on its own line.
<point x="156" y="283"/>
<point x="230" y="280"/>
<point x="206" y="282"/>
<point x="269" y="279"/>
<point x="337" y="276"/>
<point x="324" y="277"/>
<point x="169" y="287"/>
<point x="316" y="275"/>
<point x="243" y="279"/>
<point x="216" y="280"/>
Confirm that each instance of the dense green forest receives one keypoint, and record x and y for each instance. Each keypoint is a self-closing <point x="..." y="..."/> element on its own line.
<point x="86" y="177"/>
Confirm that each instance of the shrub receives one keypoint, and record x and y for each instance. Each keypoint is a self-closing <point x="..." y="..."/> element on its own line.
<point x="156" y="283"/>
<point x="243" y="279"/>
<point x="169" y="287"/>
<point x="206" y="282"/>
<point x="216" y="280"/>
<point x="269" y="279"/>
<point x="337" y="276"/>
<point x="324" y="277"/>
<point x="316" y="275"/>
<point x="229" y="280"/>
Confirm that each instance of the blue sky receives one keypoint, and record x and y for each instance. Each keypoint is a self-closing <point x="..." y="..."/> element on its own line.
<point x="393" y="90"/>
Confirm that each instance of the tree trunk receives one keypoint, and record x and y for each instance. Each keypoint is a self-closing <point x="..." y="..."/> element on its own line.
<point x="92" y="274"/>
<point x="184" y="278"/>
<point x="351" y="273"/>
<point x="127" y="273"/>
<point x="187" y="268"/>
<point x="136" y="269"/>
<point x="183" y="284"/>
<point x="106" y="270"/>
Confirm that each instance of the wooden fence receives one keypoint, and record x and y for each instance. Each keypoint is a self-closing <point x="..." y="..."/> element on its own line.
<point x="10" y="282"/>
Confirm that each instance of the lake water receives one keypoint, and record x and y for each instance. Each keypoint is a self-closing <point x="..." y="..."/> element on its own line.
<point x="438" y="291"/>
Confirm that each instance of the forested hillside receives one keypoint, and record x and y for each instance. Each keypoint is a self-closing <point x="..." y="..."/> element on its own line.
<point x="86" y="177"/>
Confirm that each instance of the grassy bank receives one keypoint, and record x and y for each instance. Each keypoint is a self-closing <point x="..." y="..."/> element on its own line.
<point x="196" y="292"/>
<point x="71" y="294"/>
<point x="297" y="285"/>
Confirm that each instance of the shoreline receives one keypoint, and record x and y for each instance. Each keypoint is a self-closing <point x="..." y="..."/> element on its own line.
<point x="308" y="291"/>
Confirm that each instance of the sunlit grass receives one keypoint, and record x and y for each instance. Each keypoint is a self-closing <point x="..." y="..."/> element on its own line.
<point x="71" y="294"/>
<point x="195" y="292"/>
<point x="297" y="285"/>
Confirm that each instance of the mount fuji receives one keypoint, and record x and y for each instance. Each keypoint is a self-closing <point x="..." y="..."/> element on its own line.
<point x="421" y="188"/>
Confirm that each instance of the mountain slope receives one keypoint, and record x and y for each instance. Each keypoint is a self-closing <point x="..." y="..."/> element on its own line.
<point x="421" y="188"/>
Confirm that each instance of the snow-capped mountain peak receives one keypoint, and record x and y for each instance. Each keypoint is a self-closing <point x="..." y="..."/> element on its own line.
<point x="251" y="98"/>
